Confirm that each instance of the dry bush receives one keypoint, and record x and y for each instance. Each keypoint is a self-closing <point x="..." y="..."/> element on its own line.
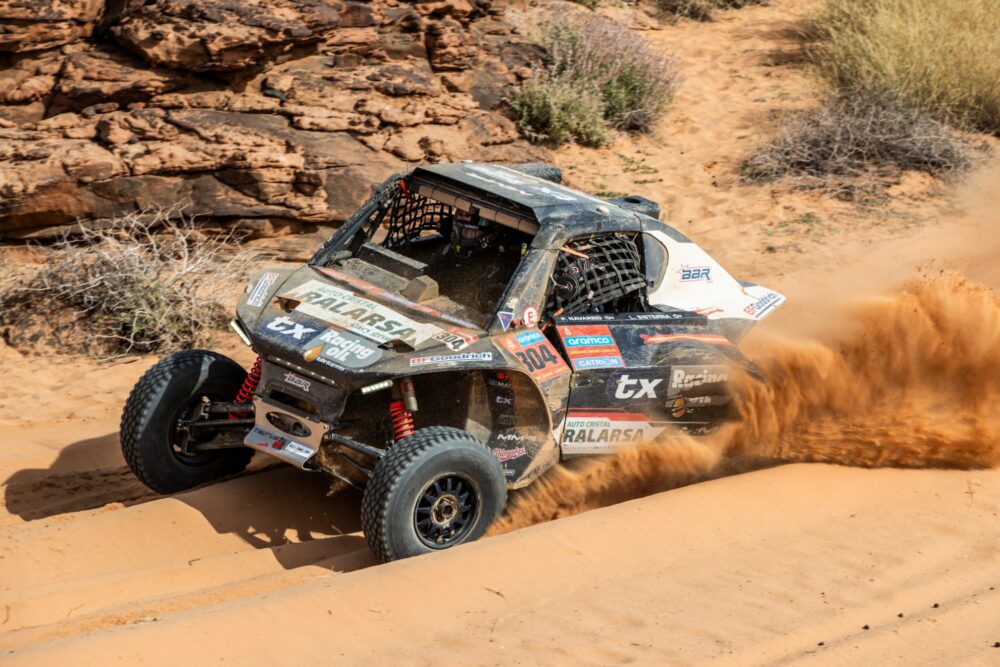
<point x="147" y="282"/>
<point x="701" y="10"/>
<point x="856" y="144"/>
<point x="942" y="56"/>
<point x="599" y="75"/>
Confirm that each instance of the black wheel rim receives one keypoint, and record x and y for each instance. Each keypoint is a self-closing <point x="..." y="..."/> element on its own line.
<point x="182" y="439"/>
<point x="446" y="510"/>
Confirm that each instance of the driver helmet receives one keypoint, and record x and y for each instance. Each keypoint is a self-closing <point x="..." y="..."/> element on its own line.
<point x="469" y="232"/>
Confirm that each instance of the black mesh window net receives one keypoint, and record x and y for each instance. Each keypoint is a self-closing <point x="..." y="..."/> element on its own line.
<point x="411" y="216"/>
<point x="598" y="274"/>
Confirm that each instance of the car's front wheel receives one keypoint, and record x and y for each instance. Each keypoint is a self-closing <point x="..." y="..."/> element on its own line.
<point x="435" y="489"/>
<point x="155" y="441"/>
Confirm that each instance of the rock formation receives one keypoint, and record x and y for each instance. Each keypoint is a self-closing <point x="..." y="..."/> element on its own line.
<point x="244" y="111"/>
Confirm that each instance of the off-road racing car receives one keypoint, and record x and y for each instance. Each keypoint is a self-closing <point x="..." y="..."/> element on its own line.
<point x="468" y="327"/>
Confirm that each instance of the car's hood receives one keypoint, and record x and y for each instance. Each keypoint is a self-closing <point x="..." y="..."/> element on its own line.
<point x="331" y="320"/>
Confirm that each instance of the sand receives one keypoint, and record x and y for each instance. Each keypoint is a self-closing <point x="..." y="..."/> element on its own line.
<point x="767" y="559"/>
<point x="758" y="568"/>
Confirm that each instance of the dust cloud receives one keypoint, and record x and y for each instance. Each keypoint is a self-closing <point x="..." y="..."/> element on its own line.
<point x="908" y="378"/>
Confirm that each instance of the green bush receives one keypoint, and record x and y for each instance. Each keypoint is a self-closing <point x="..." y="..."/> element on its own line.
<point x="599" y="75"/>
<point x="942" y="56"/>
<point x="555" y="111"/>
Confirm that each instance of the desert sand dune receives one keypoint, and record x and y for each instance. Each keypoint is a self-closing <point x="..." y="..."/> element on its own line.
<point x="774" y="566"/>
<point x="763" y="562"/>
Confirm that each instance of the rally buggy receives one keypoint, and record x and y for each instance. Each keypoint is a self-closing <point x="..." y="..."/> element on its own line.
<point x="468" y="327"/>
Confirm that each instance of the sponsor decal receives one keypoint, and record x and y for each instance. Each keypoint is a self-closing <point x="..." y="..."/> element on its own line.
<point x="456" y="341"/>
<point x="505" y="420"/>
<point x="341" y="349"/>
<point x="509" y="437"/>
<point x="762" y="305"/>
<point x="588" y="341"/>
<point x="261" y="438"/>
<point x="658" y="339"/>
<point x="296" y="381"/>
<point x="598" y="362"/>
<point x="628" y="388"/>
<point x="591" y="346"/>
<point x="536" y="353"/>
<point x="390" y="296"/>
<point x="655" y="317"/>
<point x="530" y="316"/>
<point x="259" y="292"/>
<point x="359" y="315"/>
<point x="503" y="400"/>
<point x="289" y="449"/>
<point x="505" y="317"/>
<point x="529" y="338"/>
<point x="670" y="316"/>
<point x="587" y="433"/>
<point x="299" y="450"/>
<point x="683" y="378"/>
<point x="691" y="274"/>
<point x="504" y="455"/>
<point x="289" y="327"/>
<point x="451" y="358"/>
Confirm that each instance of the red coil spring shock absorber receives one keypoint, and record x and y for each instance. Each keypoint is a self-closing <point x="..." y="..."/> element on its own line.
<point x="250" y="383"/>
<point x="402" y="420"/>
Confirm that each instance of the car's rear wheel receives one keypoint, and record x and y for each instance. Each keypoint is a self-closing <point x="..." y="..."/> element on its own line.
<point x="156" y="444"/>
<point x="433" y="490"/>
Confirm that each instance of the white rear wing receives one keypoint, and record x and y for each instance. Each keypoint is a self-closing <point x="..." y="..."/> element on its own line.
<point x="694" y="281"/>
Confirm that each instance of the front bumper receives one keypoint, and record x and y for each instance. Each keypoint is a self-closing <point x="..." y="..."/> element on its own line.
<point x="292" y="413"/>
<point x="290" y="435"/>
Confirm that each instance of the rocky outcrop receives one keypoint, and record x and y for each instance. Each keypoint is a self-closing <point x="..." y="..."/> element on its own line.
<point x="275" y="111"/>
<point x="223" y="35"/>
<point x="30" y="25"/>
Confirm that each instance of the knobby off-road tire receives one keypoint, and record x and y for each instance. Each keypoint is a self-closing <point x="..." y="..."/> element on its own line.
<point x="435" y="489"/>
<point x="162" y="396"/>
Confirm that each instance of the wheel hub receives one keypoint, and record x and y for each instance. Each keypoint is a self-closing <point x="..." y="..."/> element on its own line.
<point x="446" y="510"/>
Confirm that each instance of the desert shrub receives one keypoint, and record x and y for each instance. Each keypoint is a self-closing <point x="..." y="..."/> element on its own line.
<point x="942" y="56"/>
<point x="599" y="75"/>
<point x="556" y="111"/>
<point x="145" y="283"/>
<point x="589" y="4"/>
<point x="852" y="142"/>
<point x="701" y="10"/>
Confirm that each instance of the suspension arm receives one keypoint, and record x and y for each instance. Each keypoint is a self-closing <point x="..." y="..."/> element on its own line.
<point x="354" y="445"/>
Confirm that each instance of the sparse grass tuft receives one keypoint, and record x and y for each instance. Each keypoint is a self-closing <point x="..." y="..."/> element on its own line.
<point x="854" y="144"/>
<point x="942" y="56"/>
<point x="600" y="76"/>
<point x="146" y="283"/>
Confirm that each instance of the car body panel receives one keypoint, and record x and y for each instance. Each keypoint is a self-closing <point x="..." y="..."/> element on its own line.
<point x="638" y="374"/>
<point x="533" y="391"/>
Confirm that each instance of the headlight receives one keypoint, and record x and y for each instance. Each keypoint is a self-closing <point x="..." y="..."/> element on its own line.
<point x="237" y="326"/>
